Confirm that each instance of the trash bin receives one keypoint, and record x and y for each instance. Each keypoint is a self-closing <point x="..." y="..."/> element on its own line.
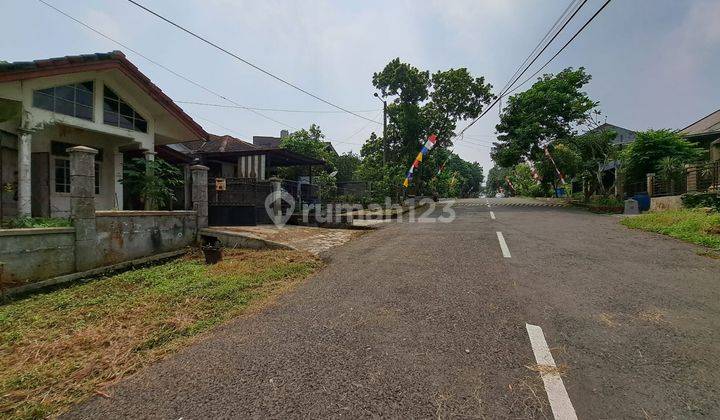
<point x="643" y="200"/>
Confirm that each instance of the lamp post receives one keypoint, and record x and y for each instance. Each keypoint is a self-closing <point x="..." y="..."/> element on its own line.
<point x="384" y="141"/>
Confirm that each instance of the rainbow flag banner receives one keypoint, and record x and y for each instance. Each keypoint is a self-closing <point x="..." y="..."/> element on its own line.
<point x="429" y="144"/>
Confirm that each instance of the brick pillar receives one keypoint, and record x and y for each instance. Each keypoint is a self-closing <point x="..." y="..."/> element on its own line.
<point x="691" y="174"/>
<point x="650" y="182"/>
<point x="200" y="194"/>
<point x="82" y="206"/>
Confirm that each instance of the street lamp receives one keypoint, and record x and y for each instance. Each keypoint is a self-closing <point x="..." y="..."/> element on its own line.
<point x="384" y="141"/>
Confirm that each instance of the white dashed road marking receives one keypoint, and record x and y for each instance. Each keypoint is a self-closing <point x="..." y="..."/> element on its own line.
<point x="503" y="245"/>
<point x="492" y="215"/>
<point x="560" y="403"/>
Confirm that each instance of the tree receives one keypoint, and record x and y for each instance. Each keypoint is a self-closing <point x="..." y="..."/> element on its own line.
<point x="496" y="180"/>
<point x="567" y="161"/>
<point x="311" y="143"/>
<point x="650" y="147"/>
<point x="597" y="152"/>
<point x="152" y="181"/>
<point x="423" y="104"/>
<point x="549" y="111"/>
<point x="385" y="180"/>
<point x="346" y="165"/>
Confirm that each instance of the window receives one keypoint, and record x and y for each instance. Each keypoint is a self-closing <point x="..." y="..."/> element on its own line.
<point x="73" y="100"/>
<point x="62" y="175"/>
<point x="119" y="113"/>
<point x="97" y="177"/>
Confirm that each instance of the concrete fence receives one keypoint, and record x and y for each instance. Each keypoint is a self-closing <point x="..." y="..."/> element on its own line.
<point x="98" y="238"/>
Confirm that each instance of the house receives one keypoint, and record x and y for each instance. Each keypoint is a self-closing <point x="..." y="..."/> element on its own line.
<point x="246" y="169"/>
<point x="623" y="136"/>
<point x="270" y="142"/>
<point x="98" y="100"/>
<point x="230" y="157"/>
<point x="706" y="133"/>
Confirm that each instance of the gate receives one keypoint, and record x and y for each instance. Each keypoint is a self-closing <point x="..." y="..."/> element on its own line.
<point x="242" y="203"/>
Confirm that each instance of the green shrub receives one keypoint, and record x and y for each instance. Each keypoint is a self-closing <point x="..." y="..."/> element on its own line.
<point x="708" y="199"/>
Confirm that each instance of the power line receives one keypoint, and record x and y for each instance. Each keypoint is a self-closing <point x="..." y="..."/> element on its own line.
<point x="237" y="57"/>
<point x="462" y="132"/>
<point x="562" y="48"/>
<point x="547" y="34"/>
<point x="530" y="64"/>
<point x="139" y="54"/>
<point x="308" y="111"/>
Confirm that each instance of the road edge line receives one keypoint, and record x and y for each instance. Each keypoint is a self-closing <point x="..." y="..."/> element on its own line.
<point x="560" y="403"/>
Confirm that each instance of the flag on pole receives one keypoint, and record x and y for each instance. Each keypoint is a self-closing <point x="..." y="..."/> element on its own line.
<point x="429" y="144"/>
<point x="560" y="174"/>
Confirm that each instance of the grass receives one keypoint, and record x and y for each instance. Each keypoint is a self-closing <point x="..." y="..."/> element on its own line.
<point x="35" y="222"/>
<point x="60" y="347"/>
<point x="696" y="226"/>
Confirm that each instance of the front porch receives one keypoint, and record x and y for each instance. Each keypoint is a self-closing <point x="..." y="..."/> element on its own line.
<point x="35" y="170"/>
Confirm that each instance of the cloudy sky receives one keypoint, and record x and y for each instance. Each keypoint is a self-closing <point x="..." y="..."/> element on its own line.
<point x="654" y="62"/>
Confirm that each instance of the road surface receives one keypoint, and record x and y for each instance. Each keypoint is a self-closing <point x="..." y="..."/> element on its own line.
<point x="429" y="320"/>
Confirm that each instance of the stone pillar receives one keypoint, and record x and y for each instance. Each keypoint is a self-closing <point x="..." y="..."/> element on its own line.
<point x="200" y="194"/>
<point x="149" y="157"/>
<point x="24" y="174"/>
<point x="650" y="186"/>
<point x="82" y="206"/>
<point x="118" y="161"/>
<point x="691" y="174"/>
<point x="619" y="184"/>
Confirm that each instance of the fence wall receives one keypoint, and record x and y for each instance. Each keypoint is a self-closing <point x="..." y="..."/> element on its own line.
<point x="98" y="238"/>
<point x="28" y="255"/>
<point x="128" y="235"/>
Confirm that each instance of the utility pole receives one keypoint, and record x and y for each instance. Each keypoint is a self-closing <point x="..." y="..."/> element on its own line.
<point x="384" y="141"/>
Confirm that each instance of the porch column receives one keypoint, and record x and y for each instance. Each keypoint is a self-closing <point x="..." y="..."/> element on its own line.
<point x="200" y="194"/>
<point x="24" y="174"/>
<point x="118" y="161"/>
<point x="82" y="206"/>
<point x="149" y="157"/>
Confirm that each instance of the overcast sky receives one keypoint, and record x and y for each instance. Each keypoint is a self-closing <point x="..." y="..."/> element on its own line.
<point x="654" y="62"/>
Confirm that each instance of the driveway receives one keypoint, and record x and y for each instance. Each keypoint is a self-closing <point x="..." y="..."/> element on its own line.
<point x="429" y="320"/>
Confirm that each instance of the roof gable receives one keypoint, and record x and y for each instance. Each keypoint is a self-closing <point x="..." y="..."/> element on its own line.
<point x="706" y="125"/>
<point x="116" y="60"/>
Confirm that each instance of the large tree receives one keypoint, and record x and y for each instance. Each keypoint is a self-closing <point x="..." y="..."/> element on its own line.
<point x="422" y="104"/>
<point x="551" y="110"/>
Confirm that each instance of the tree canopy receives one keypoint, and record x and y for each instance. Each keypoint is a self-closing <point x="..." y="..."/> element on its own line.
<point x="421" y="104"/>
<point x="549" y="111"/>
<point x="650" y="147"/>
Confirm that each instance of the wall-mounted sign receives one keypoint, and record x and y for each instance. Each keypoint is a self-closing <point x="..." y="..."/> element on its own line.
<point x="220" y="184"/>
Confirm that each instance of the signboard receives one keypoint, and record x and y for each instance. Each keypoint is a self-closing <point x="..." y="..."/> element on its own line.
<point x="220" y="184"/>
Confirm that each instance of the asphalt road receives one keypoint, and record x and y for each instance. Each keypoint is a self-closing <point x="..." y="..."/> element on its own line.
<point x="429" y="320"/>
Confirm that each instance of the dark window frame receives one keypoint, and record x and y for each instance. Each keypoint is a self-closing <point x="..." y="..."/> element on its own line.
<point x="62" y="183"/>
<point x="119" y="113"/>
<point x="50" y="99"/>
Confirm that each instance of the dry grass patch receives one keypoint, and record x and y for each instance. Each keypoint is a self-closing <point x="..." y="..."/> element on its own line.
<point x="62" y="346"/>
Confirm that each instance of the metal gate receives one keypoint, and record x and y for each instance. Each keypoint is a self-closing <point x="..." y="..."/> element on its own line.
<point x="242" y="203"/>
